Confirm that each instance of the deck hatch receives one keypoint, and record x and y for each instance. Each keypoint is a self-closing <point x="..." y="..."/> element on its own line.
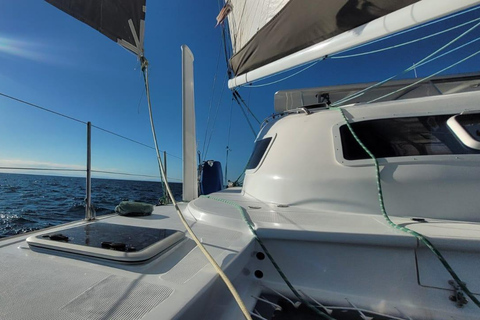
<point x="109" y="241"/>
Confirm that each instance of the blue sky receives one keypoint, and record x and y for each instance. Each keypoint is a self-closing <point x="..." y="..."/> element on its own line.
<point x="52" y="60"/>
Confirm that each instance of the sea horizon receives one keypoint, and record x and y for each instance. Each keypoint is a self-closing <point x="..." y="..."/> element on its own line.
<point x="31" y="201"/>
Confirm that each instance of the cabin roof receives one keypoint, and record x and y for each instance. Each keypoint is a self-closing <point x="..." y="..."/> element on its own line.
<point x="404" y="89"/>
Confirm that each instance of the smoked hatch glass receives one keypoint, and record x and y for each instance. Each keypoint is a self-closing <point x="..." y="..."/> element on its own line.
<point x="123" y="243"/>
<point x="258" y="152"/>
<point x="99" y="234"/>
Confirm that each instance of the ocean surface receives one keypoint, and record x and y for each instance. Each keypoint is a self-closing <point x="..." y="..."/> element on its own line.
<point x="32" y="202"/>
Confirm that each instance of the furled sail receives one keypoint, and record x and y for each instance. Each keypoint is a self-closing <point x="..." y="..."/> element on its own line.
<point x="123" y="21"/>
<point x="272" y="36"/>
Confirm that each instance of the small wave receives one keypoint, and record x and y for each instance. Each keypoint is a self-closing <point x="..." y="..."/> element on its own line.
<point x="101" y="211"/>
<point x="11" y="189"/>
<point x="76" y="207"/>
<point x="8" y="216"/>
<point x="12" y="231"/>
<point x="28" y="211"/>
<point x="22" y="220"/>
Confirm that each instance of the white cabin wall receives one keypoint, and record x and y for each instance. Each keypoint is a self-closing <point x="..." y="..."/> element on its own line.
<point x="301" y="168"/>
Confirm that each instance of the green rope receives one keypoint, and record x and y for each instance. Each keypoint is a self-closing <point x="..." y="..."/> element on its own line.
<point x="270" y="257"/>
<point x="419" y="236"/>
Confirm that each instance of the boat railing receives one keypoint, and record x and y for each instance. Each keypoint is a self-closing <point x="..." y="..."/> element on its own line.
<point x="76" y="170"/>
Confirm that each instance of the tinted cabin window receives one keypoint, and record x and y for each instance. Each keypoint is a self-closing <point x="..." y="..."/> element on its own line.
<point x="401" y="137"/>
<point x="258" y="152"/>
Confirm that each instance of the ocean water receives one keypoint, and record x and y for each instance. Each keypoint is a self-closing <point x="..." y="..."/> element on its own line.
<point x="32" y="202"/>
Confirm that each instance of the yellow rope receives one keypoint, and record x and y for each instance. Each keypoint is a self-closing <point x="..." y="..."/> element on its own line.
<point x="202" y="248"/>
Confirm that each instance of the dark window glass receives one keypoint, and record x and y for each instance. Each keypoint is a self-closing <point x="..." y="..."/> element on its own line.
<point x="258" y="152"/>
<point x="401" y="137"/>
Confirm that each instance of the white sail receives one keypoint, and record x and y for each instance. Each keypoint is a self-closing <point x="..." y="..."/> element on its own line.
<point x="248" y="16"/>
<point x="302" y="31"/>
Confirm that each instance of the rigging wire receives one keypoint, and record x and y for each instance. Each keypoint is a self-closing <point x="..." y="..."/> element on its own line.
<point x="245" y="114"/>
<point x="426" y="78"/>
<point x="128" y="174"/>
<point x="450" y="51"/>
<point x="215" y="118"/>
<point x="225" y="48"/>
<point x="235" y="92"/>
<point x="83" y="170"/>
<point x="123" y="137"/>
<point x="42" y="169"/>
<point x="415" y="65"/>
<point x="41" y="108"/>
<point x="228" y="142"/>
<point x="241" y="174"/>
<point x="411" y="29"/>
<point x="140" y="101"/>
<point x="211" y="98"/>
<point x="404" y="43"/>
<point x="79" y="121"/>
<point x="250" y="85"/>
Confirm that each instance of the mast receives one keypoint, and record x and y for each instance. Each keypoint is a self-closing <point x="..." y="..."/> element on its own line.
<point x="190" y="175"/>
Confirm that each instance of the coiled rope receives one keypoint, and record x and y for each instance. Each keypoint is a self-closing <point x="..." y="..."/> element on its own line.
<point x="250" y="225"/>
<point x="392" y="224"/>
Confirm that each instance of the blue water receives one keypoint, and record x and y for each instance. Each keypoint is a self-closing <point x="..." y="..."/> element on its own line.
<point x="32" y="202"/>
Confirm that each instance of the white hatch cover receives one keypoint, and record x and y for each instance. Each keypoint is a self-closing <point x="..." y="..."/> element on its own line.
<point x="109" y="241"/>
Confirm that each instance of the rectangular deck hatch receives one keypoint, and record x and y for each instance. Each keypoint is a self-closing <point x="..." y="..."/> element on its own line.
<point x="109" y="241"/>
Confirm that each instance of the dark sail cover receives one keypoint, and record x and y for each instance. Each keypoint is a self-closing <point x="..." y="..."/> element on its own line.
<point x="110" y="17"/>
<point x="303" y="23"/>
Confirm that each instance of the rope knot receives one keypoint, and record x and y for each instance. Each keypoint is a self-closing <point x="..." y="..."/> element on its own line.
<point x="143" y="62"/>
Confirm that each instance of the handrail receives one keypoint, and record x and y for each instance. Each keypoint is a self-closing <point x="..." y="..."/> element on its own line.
<point x="30" y="104"/>
<point x="89" y="211"/>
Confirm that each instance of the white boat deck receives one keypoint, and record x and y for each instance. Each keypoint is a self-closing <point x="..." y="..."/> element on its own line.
<point x="48" y="284"/>
<point x="44" y="284"/>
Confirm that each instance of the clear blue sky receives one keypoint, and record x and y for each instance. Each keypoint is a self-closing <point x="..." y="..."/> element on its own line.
<point x="50" y="59"/>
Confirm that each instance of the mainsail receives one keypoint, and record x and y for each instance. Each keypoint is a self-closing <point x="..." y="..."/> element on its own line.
<point x="274" y="36"/>
<point x="123" y="21"/>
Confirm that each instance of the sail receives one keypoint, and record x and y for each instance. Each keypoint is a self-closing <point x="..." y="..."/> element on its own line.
<point x="123" y="21"/>
<point x="273" y="36"/>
